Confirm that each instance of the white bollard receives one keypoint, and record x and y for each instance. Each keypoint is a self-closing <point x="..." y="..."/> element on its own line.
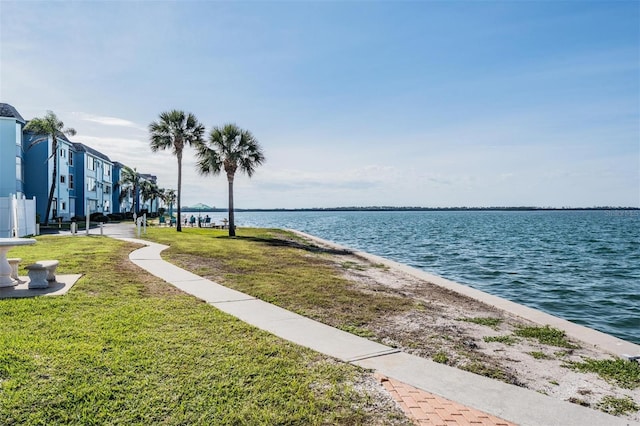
<point x="144" y="221"/>
<point x="101" y="228"/>
<point x="138" y="225"/>
<point x="74" y="228"/>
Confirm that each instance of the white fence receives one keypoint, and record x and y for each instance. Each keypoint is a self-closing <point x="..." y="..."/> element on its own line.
<point x="17" y="217"/>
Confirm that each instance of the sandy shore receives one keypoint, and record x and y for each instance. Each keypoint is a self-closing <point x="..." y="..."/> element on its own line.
<point x="439" y="331"/>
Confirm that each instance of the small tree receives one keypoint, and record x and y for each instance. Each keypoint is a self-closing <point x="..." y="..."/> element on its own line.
<point x="149" y="191"/>
<point x="169" y="197"/>
<point x="129" y="186"/>
<point x="233" y="149"/>
<point x="44" y="128"/>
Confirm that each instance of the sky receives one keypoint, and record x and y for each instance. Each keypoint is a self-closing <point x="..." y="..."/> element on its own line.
<point x="355" y="103"/>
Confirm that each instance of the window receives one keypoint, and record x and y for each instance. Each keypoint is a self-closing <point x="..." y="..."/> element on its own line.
<point x="63" y="206"/>
<point x="93" y="206"/>
<point x="18" y="168"/>
<point x="63" y="153"/>
<point x="19" y="135"/>
<point x="107" y="189"/>
<point x="63" y="178"/>
<point x="70" y="158"/>
<point x="107" y="170"/>
<point x="91" y="184"/>
<point x="91" y="163"/>
<point x="106" y="206"/>
<point x="70" y="181"/>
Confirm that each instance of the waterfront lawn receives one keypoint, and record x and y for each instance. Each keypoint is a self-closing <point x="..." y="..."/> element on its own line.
<point x="279" y="267"/>
<point x="123" y="347"/>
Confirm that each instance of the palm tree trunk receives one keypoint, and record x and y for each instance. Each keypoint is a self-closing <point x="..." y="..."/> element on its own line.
<point x="179" y="221"/>
<point x="232" y="222"/>
<point x="54" y="149"/>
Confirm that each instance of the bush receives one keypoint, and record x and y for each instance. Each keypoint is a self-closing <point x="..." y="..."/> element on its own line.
<point x="98" y="217"/>
<point x="78" y="219"/>
<point x="116" y="216"/>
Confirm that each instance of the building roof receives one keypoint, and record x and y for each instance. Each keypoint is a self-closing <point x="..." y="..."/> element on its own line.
<point x="79" y="147"/>
<point x="147" y="176"/>
<point x="7" y="110"/>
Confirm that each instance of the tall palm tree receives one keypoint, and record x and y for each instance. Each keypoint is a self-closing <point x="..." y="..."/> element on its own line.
<point x="175" y="130"/>
<point x="130" y="185"/>
<point x="233" y="149"/>
<point x="44" y="128"/>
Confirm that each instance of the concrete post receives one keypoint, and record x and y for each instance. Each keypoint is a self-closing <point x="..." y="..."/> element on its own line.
<point x="101" y="228"/>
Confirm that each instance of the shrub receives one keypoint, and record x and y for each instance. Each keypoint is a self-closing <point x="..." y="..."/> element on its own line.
<point x="116" y="216"/>
<point x="98" y="217"/>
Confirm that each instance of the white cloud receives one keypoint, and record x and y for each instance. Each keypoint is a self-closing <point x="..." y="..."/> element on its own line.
<point x="107" y="121"/>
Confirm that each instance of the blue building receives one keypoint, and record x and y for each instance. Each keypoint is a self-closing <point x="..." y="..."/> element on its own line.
<point x="11" y="166"/>
<point x="86" y="179"/>
<point x="38" y="171"/>
<point x="94" y="174"/>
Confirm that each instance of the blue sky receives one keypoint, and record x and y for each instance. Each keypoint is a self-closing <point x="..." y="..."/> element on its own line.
<point x="355" y="103"/>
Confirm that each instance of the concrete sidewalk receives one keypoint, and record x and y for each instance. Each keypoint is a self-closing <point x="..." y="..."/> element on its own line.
<point x="504" y="401"/>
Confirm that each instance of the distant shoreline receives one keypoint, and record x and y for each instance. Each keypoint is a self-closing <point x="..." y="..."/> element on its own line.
<point x="418" y="209"/>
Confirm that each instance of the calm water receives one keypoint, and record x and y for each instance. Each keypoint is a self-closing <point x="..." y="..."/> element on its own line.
<point x="583" y="266"/>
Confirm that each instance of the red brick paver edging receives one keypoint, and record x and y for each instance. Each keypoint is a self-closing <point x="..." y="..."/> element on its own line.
<point x="426" y="409"/>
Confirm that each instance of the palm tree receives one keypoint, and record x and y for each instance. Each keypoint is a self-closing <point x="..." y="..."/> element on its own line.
<point x="49" y="127"/>
<point x="149" y="191"/>
<point x="129" y="185"/>
<point x="174" y="131"/>
<point x="233" y="149"/>
<point x="169" y="197"/>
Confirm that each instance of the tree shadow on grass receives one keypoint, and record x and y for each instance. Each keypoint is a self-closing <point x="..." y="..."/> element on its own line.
<point x="277" y="242"/>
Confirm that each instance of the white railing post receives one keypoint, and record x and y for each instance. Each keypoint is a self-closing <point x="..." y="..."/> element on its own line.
<point x="14" y="216"/>
<point x="87" y="214"/>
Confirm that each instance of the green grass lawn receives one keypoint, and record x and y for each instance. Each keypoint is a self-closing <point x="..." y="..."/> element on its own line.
<point x="123" y="347"/>
<point x="280" y="268"/>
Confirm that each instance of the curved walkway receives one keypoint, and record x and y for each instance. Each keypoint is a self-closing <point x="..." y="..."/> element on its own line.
<point x="425" y="389"/>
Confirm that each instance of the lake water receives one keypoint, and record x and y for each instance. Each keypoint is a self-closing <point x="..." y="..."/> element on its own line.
<point x="583" y="266"/>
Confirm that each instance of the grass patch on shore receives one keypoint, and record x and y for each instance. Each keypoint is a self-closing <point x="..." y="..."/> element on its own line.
<point x="440" y="357"/>
<point x="486" y="321"/>
<point x="277" y="267"/>
<point x="505" y="340"/>
<point x="482" y="369"/>
<point x="618" y="406"/>
<point x="546" y="335"/>
<point x="539" y="355"/>
<point x="123" y="347"/>
<point x="621" y="372"/>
